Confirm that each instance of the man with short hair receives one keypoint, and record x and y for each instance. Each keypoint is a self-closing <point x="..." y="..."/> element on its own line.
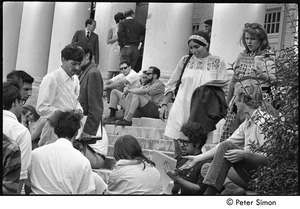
<point x="208" y="26"/>
<point x="12" y="128"/>
<point x="129" y="78"/>
<point x="131" y="35"/>
<point x="59" y="90"/>
<point x="145" y="100"/>
<point x="90" y="98"/>
<point x="59" y="168"/>
<point x="24" y="80"/>
<point x="88" y="36"/>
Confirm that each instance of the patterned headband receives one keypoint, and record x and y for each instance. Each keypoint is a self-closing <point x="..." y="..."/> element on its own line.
<point x="199" y="38"/>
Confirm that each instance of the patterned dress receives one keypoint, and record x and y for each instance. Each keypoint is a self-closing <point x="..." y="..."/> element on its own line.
<point x="196" y="73"/>
<point x="243" y="67"/>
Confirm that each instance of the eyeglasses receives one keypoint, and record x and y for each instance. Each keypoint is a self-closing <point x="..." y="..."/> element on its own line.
<point x="184" y="142"/>
<point x="123" y="68"/>
<point x="252" y="25"/>
<point x="149" y="73"/>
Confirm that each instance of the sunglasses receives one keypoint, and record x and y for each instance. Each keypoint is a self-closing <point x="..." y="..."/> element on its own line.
<point x="149" y="73"/>
<point x="252" y="25"/>
<point x="123" y="68"/>
<point x="184" y="142"/>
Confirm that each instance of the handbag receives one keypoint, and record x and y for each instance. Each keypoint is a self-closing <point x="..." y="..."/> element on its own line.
<point x="179" y="80"/>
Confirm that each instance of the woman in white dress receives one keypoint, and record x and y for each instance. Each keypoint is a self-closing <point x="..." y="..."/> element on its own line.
<point x="201" y="68"/>
<point x="114" y="50"/>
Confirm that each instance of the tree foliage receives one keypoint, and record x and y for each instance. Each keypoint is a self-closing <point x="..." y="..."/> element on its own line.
<point x="280" y="175"/>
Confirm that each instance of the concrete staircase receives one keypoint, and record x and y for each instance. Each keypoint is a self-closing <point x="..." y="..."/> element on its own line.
<point x="149" y="133"/>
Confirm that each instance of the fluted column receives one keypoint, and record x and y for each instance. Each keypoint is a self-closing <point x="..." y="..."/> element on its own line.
<point x="12" y="15"/>
<point x="104" y="16"/>
<point x="167" y="30"/>
<point x="34" y="40"/>
<point x="228" y="24"/>
<point x="68" y="18"/>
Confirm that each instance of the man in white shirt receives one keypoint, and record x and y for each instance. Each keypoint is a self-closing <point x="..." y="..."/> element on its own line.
<point x="12" y="107"/>
<point x="60" y="89"/>
<point x="130" y="79"/>
<point x="59" y="168"/>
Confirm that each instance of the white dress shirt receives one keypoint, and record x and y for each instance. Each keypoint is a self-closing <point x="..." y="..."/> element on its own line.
<point x="21" y="135"/>
<point x="58" y="168"/>
<point x="58" y="91"/>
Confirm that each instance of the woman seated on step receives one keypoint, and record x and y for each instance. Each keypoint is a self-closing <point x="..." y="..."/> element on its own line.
<point x="134" y="173"/>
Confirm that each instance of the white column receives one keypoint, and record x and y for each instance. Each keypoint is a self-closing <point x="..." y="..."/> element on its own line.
<point x="12" y="15"/>
<point x="34" y="41"/>
<point x="104" y="16"/>
<point x="68" y="18"/>
<point x="168" y="28"/>
<point x="228" y="24"/>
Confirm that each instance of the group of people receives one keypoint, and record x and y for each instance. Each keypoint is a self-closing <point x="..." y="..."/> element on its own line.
<point x="53" y="148"/>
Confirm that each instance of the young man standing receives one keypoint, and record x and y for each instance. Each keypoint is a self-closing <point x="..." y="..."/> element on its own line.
<point x="145" y="100"/>
<point x="90" y="98"/>
<point x="59" y="90"/>
<point x="88" y="36"/>
<point x="131" y="35"/>
<point x="12" y="128"/>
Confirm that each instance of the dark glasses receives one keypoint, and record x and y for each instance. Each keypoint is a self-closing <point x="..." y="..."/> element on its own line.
<point x="123" y="68"/>
<point x="184" y="143"/>
<point x="149" y="73"/>
<point x="252" y="25"/>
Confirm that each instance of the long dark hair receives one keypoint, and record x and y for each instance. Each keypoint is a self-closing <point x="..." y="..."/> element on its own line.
<point x="127" y="147"/>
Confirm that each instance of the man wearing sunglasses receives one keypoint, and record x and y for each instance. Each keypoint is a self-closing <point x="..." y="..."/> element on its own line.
<point x="145" y="100"/>
<point x="114" y="87"/>
<point x="13" y="129"/>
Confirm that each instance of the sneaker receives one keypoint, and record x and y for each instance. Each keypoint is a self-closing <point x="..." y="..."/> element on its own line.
<point x="109" y="120"/>
<point x="123" y="122"/>
<point x="233" y="189"/>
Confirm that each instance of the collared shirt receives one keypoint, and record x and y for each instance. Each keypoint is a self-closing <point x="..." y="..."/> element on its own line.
<point x="21" y="135"/>
<point x="58" y="168"/>
<point x="132" y="78"/>
<point x="250" y="132"/>
<point x="129" y="177"/>
<point x="58" y="91"/>
<point x="11" y="164"/>
<point x="155" y="92"/>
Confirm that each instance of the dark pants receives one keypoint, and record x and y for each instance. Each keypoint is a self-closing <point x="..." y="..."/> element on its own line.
<point x="130" y="53"/>
<point x="149" y="110"/>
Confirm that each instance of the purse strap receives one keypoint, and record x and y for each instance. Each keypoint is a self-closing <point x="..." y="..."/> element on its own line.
<point x="179" y="80"/>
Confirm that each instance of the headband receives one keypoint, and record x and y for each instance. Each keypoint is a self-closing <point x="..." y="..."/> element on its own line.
<point x="199" y="38"/>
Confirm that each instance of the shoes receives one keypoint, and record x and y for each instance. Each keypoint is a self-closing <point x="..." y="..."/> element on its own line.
<point x="109" y="120"/>
<point x="233" y="189"/>
<point x="123" y="122"/>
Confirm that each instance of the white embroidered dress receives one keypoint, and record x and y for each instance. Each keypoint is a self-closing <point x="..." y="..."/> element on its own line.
<point x="196" y="73"/>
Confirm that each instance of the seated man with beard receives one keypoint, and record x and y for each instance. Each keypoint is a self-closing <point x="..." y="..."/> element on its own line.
<point x="146" y="99"/>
